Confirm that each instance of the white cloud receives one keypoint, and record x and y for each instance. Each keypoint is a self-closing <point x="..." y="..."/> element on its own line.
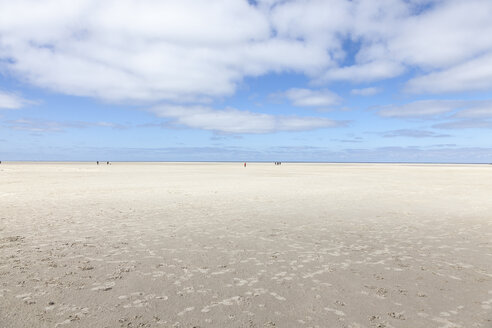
<point x="465" y="124"/>
<point x="475" y="74"/>
<point x="458" y="114"/>
<point x="477" y="115"/>
<point x="449" y="33"/>
<point x="421" y="108"/>
<point x="11" y="101"/>
<point x="146" y="50"/>
<point x="312" y="98"/>
<point x="231" y="120"/>
<point x="443" y="37"/>
<point x="366" y="91"/>
<point x="480" y="110"/>
<point x="412" y="133"/>
<point x="315" y="21"/>
<point x="373" y="71"/>
<point x="41" y="126"/>
<point x="191" y="50"/>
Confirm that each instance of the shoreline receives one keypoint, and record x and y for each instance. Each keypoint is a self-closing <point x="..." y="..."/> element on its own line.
<point x="242" y="161"/>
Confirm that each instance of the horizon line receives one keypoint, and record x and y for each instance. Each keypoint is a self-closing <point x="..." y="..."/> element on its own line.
<point x="242" y="161"/>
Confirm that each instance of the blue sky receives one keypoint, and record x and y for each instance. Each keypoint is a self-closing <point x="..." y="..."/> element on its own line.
<point x="267" y="80"/>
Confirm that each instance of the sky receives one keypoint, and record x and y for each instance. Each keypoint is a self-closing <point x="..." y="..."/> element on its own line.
<point x="237" y="80"/>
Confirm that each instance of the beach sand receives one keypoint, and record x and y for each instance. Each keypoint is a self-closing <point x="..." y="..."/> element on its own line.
<point x="220" y="245"/>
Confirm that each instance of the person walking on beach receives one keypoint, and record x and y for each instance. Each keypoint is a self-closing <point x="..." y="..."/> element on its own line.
<point x="244" y="164"/>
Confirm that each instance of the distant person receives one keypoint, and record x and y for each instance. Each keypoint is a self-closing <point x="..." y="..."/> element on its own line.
<point x="97" y="162"/>
<point x="244" y="164"/>
<point x="107" y="163"/>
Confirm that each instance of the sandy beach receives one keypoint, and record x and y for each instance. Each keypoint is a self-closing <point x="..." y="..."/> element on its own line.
<point x="220" y="245"/>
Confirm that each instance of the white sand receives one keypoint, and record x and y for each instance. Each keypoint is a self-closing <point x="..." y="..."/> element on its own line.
<point x="220" y="245"/>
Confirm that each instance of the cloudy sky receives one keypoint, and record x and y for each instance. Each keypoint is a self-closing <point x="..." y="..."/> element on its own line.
<point x="290" y="80"/>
